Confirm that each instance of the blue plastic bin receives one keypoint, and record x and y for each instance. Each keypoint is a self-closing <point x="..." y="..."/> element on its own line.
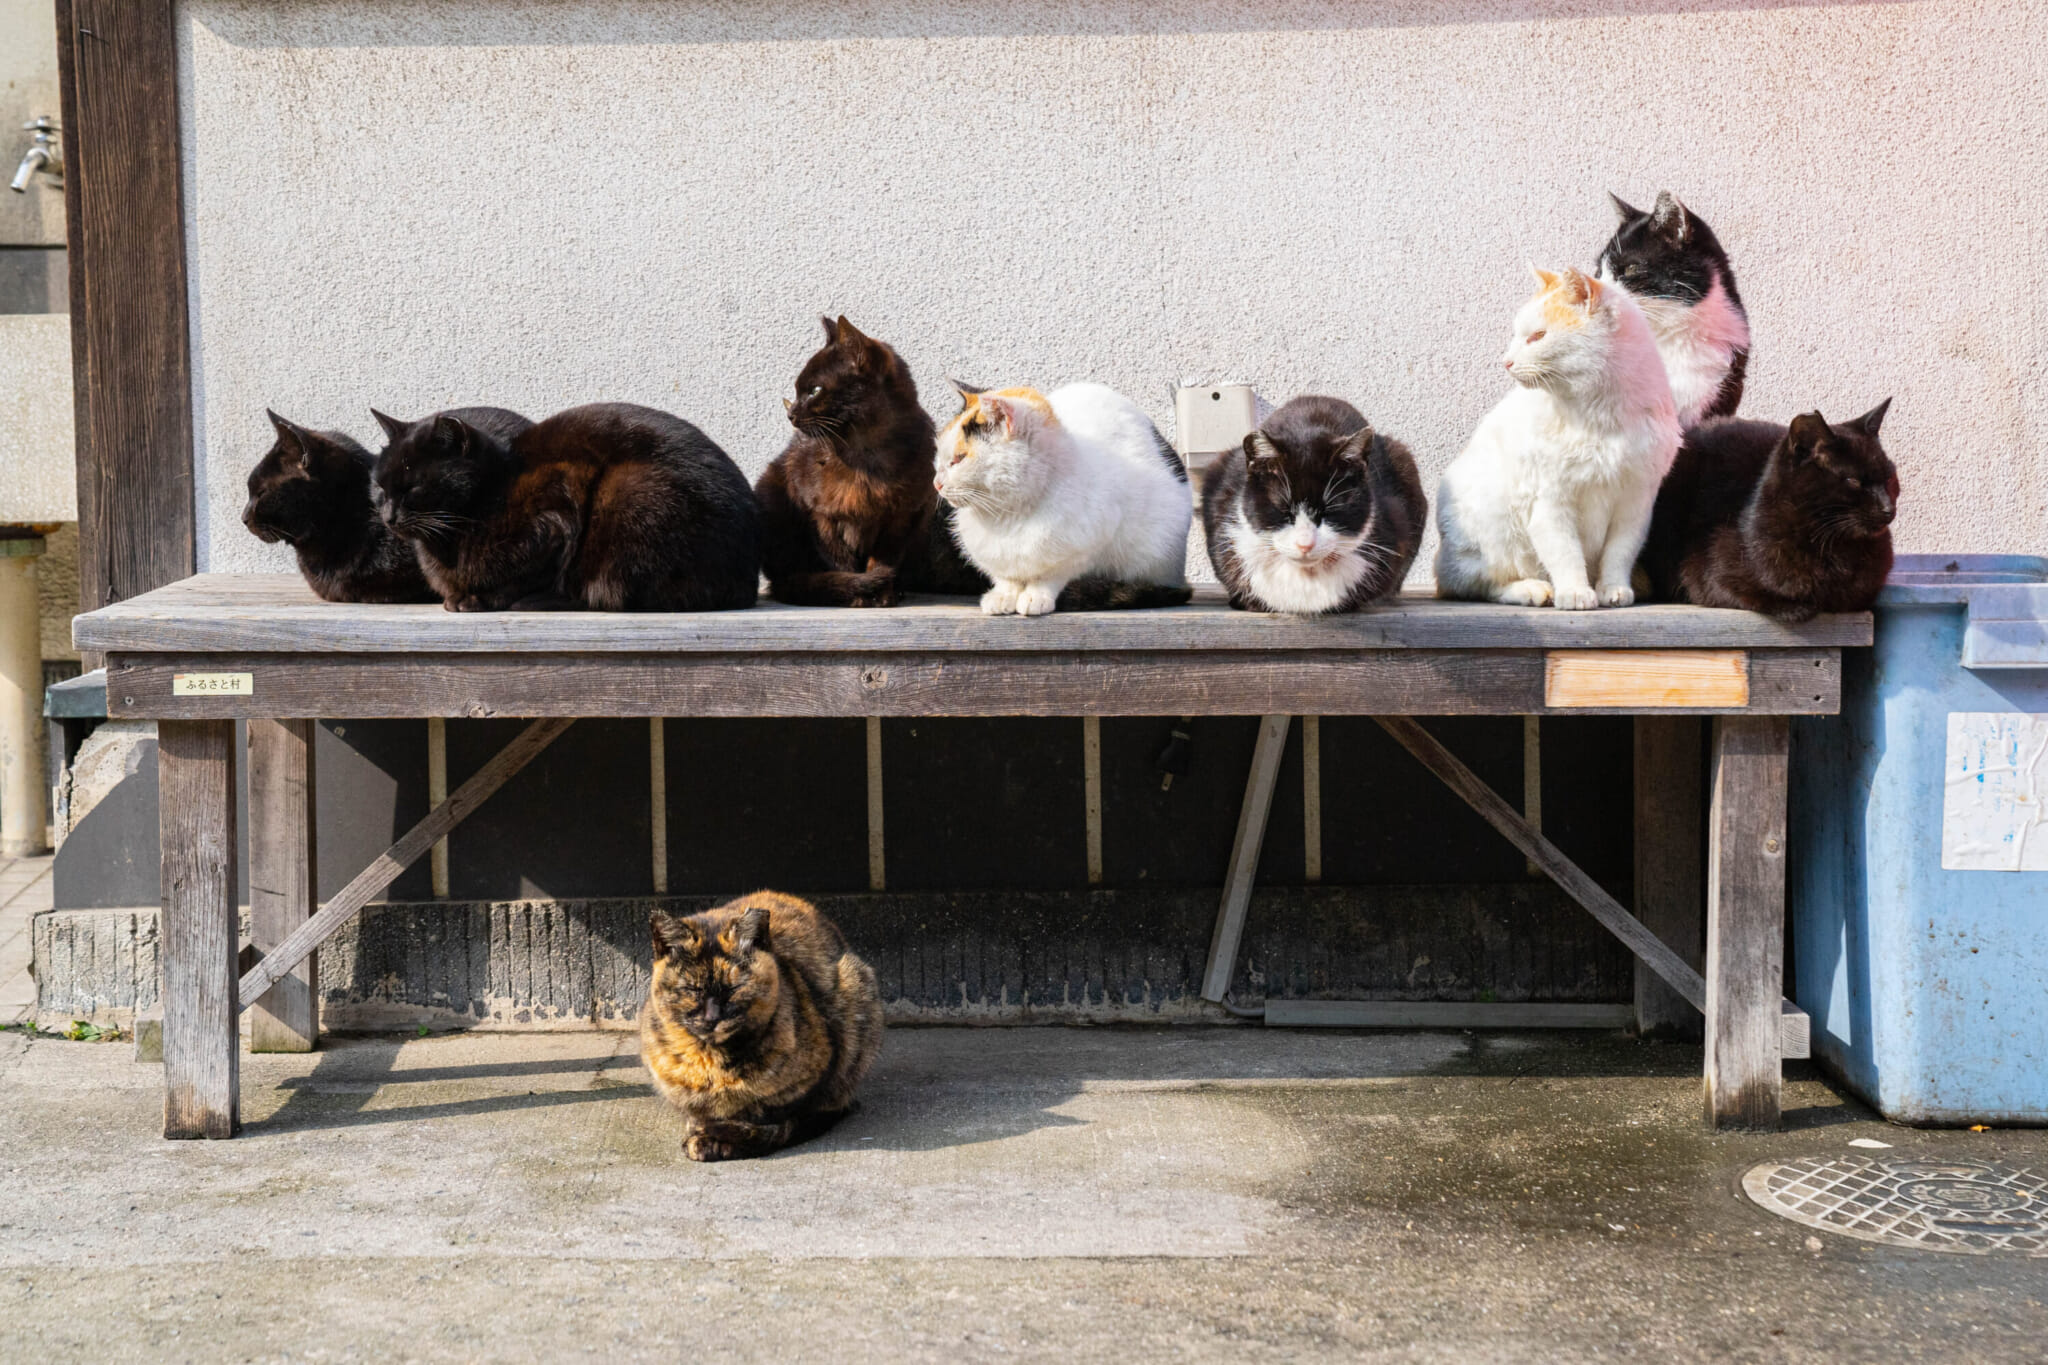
<point x="1925" y="971"/>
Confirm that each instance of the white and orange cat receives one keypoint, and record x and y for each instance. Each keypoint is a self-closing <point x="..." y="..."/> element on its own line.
<point x="1068" y="500"/>
<point x="1551" y="499"/>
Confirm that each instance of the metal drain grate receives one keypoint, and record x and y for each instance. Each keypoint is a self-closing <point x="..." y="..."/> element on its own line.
<point x="1975" y="1207"/>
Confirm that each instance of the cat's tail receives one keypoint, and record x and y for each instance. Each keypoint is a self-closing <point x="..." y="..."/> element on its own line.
<point x="1109" y="594"/>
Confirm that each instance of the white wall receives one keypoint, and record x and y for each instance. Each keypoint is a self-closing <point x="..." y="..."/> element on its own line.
<point x="538" y="205"/>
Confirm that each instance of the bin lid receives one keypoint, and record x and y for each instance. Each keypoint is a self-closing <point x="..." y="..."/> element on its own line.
<point x="2007" y="598"/>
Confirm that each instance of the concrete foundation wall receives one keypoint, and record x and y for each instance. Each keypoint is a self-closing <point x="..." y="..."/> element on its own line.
<point x="414" y="205"/>
<point x="992" y="957"/>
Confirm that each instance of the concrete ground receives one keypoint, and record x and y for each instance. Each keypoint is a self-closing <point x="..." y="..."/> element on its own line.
<point x="24" y="889"/>
<point x="1235" y="1195"/>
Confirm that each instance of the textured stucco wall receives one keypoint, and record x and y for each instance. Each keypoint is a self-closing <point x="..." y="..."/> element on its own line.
<point x="38" y="466"/>
<point x="535" y="205"/>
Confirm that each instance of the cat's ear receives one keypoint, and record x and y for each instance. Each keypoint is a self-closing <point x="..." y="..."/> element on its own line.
<point x="1259" y="446"/>
<point x="1669" y="219"/>
<point x="749" y="932"/>
<point x="673" y="933"/>
<point x="845" y="333"/>
<point x="965" y="390"/>
<point x="291" y="441"/>
<point x="1623" y="207"/>
<point x="1805" y="434"/>
<point x="1001" y="410"/>
<point x="393" y="428"/>
<point x="1547" y="278"/>
<point x="452" y="430"/>
<point x="1576" y="288"/>
<point x="1870" y="421"/>
<point x="1356" y="445"/>
<point x="831" y="328"/>
<point x="1596" y="291"/>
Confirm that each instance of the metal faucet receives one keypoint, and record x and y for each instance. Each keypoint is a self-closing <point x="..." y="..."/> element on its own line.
<point x="45" y="153"/>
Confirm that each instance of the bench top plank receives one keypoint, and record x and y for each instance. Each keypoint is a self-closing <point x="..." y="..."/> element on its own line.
<point x="276" y="613"/>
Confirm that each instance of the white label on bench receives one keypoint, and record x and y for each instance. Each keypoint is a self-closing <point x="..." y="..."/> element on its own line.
<point x="1995" y="781"/>
<point x="213" y="684"/>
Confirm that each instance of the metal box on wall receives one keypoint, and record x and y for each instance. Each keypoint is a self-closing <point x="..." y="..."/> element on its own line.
<point x="1919" y="902"/>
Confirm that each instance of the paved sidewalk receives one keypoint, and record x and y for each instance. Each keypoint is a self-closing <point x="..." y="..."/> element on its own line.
<point x="1235" y="1195"/>
<point x="24" y="890"/>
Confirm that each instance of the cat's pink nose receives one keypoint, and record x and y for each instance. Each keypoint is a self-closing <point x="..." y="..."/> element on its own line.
<point x="1509" y="363"/>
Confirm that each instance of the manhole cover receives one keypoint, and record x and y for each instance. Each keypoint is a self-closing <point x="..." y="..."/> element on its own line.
<point x="1976" y="1207"/>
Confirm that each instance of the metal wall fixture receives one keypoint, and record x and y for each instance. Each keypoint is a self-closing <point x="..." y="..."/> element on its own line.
<point x="45" y="153"/>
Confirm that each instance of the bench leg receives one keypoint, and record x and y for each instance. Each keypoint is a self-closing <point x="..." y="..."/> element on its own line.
<point x="1669" y="879"/>
<point x="283" y="865"/>
<point x="1244" y="856"/>
<point x="196" y="795"/>
<point x="1746" y="922"/>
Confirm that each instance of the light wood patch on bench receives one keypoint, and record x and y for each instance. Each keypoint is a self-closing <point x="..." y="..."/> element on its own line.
<point x="1663" y="678"/>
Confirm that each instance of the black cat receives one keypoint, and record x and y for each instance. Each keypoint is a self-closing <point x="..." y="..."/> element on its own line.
<point x="1788" y="521"/>
<point x="609" y="507"/>
<point x="1316" y="513"/>
<point x="1673" y="266"/>
<point x="311" y="490"/>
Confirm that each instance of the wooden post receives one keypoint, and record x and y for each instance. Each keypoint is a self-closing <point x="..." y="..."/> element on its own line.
<point x="1670" y="883"/>
<point x="196" y="800"/>
<point x="130" y="345"/>
<point x="283" y="867"/>
<point x="1746" y="921"/>
<point x="1244" y="855"/>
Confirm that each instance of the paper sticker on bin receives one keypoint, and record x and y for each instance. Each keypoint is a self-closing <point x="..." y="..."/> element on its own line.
<point x="1919" y="876"/>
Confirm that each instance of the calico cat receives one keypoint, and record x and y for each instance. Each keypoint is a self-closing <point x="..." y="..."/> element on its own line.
<point x="759" y="1024"/>
<point x="846" y="508"/>
<point x="609" y="507"/>
<point x="311" y="490"/>
<point x="1674" y="267"/>
<point x="1788" y="521"/>
<point x="1551" y="499"/>
<point x="1070" y="499"/>
<point x="1316" y="513"/>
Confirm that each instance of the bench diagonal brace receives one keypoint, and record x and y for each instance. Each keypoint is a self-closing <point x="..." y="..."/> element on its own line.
<point x="1654" y="953"/>
<point x="401" y="855"/>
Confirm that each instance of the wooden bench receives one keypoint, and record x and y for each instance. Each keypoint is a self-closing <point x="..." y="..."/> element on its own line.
<point x="199" y="654"/>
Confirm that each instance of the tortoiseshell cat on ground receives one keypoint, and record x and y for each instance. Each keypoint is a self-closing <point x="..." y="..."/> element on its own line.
<point x="759" y="1024"/>
<point x="847" y="509"/>
<point x="606" y="507"/>
<point x="312" y="491"/>
<point x="1788" y="521"/>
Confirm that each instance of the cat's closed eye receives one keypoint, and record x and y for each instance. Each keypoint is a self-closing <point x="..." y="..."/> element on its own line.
<point x="1534" y="337"/>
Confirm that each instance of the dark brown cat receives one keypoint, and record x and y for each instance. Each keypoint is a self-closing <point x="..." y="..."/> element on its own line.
<point x="1789" y="521"/>
<point x="311" y="490"/>
<point x="609" y="507"/>
<point x="847" y="507"/>
<point x="759" y="1024"/>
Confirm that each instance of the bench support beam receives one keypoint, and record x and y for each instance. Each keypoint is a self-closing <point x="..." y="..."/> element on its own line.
<point x="1670" y="880"/>
<point x="1746" y="921"/>
<point x="196" y="822"/>
<point x="301" y="942"/>
<point x="283" y="867"/>
<point x="1244" y="856"/>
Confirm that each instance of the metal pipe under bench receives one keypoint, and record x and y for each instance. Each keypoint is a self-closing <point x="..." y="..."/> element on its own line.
<point x="203" y="652"/>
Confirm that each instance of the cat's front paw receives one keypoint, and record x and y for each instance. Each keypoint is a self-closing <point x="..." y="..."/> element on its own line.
<point x="876" y="588"/>
<point x="1576" y="599"/>
<point x="470" y="602"/>
<point x="1526" y="592"/>
<point x="1617" y="595"/>
<point x="1037" y="600"/>
<point x="704" y="1147"/>
<point x="1001" y="600"/>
